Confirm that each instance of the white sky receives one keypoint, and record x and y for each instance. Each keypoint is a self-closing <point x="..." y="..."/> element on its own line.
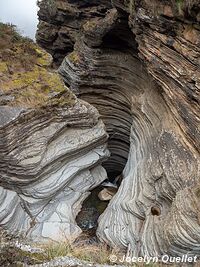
<point x="22" y="13"/>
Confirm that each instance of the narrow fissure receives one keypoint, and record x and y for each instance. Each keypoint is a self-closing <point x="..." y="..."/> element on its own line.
<point x="117" y="117"/>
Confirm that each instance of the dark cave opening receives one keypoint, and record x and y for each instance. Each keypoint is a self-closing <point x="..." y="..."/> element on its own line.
<point x="92" y="208"/>
<point x="106" y="85"/>
<point x="95" y="204"/>
<point x="113" y="174"/>
<point x="120" y="37"/>
<point x="117" y="115"/>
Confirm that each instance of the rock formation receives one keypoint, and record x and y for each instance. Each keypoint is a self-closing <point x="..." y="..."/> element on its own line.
<point x="138" y="63"/>
<point x="50" y="168"/>
<point x="51" y="147"/>
<point x="60" y="22"/>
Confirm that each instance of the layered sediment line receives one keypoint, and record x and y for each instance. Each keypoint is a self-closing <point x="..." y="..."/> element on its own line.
<point x="60" y="22"/>
<point x="50" y="161"/>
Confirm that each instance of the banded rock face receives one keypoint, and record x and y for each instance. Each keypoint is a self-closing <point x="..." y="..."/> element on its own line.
<point x="51" y="149"/>
<point x="60" y="22"/>
<point x="50" y="160"/>
<point x="139" y="65"/>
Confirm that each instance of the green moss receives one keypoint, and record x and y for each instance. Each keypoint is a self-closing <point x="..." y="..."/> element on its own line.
<point x="12" y="256"/>
<point x="51" y="7"/>
<point x="3" y="67"/>
<point x="90" y="25"/>
<point x="180" y="4"/>
<point x="35" y="88"/>
<point x="197" y="192"/>
<point x="27" y="74"/>
<point x="74" y="57"/>
<point x="132" y="7"/>
<point x="43" y="59"/>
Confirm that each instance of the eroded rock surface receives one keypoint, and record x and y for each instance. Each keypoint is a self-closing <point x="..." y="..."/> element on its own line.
<point x="51" y="149"/>
<point x="52" y="160"/>
<point x="138" y="62"/>
<point x="60" y="22"/>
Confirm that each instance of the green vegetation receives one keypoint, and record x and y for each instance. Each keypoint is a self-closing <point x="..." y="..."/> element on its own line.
<point x="74" y="57"/>
<point x="90" y="25"/>
<point x="154" y="6"/>
<point x="184" y="4"/>
<point x="180" y="4"/>
<point x="12" y="256"/>
<point x="92" y="253"/>
<point x="197" y="192"/>
<point x="26" y="73"/>
<point x="132" y="7"/>
<point x="49" y="5"/>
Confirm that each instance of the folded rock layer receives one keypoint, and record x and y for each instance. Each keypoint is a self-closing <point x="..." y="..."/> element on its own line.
<point x="138" y="63"/>
<point x="51" y="149"/>
<point x="50" y="160"/>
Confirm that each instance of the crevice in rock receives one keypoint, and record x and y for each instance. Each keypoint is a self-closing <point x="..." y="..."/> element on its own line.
<point x="109" y="91"/>
<point x="150" y="114"/>
<point x="92" y="208"/>
<point x="95" y="204"/>
<point x="51" y="158"/>
<point x="106" y="84"/>
<point x="112" y="81"/>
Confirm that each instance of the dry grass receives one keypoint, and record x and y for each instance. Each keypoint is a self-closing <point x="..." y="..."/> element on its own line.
<point x="96" y="253"/>
<point x="9" y="254"/>
<point x="26" y="73"/>
<point x="92" y="253"/>
<point x="14" y="47"/>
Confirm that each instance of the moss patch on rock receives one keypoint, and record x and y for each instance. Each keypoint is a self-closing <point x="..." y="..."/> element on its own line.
<point x="26" y="73"/>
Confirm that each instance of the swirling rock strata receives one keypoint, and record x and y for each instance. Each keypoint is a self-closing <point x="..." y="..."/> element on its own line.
<point x="139" y="65"/>
<point x="51" y="148"/>
<point x="50" y="160"/>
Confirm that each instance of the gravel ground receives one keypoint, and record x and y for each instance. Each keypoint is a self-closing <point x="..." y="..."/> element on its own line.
<point x="70" y="262"/>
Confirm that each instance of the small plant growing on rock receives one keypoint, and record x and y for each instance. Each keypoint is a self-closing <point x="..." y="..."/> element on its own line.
<point x="49" y="5"/>
<point x="90" y="25"/>
<point x="74" y="57"/>
<point x="132" y="7"/>
<point x="180" y="4"/>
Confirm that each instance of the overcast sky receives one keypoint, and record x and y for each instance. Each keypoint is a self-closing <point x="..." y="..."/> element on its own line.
<point x="22" y="13"/>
